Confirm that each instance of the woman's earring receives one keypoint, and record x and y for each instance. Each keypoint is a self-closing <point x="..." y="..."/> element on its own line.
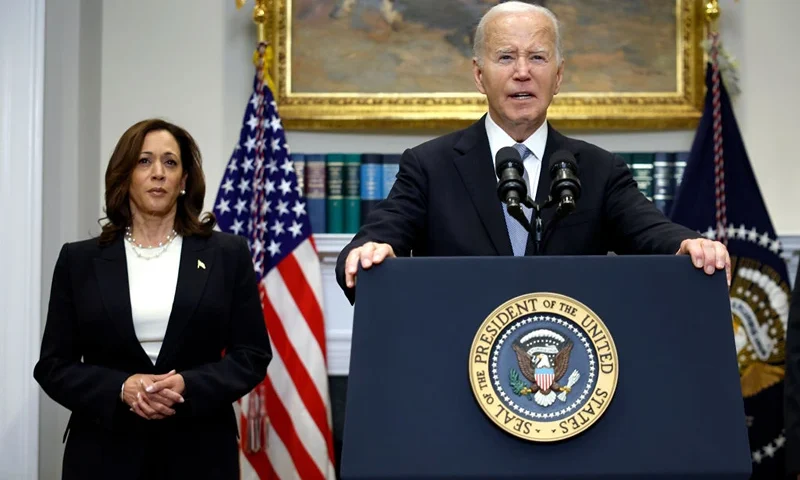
<point x="183" y="192"/>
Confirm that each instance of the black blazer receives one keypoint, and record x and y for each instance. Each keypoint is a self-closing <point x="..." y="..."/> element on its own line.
<point x="444" y="203"/>
<point x="90" y="348"/>
<point x="792" y="383"/>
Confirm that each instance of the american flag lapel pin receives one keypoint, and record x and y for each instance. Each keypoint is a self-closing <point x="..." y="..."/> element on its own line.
<point x="200" y="264"/>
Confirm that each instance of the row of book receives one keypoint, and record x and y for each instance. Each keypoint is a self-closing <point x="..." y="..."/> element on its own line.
<point x="658" y="175"/>
<point x="342" y="188"/>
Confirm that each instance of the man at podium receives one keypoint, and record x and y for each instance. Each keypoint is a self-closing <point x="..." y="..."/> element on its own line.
<point x="445" y="199"/>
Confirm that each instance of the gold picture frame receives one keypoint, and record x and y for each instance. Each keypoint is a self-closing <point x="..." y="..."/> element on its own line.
<point x="600" y="110"/>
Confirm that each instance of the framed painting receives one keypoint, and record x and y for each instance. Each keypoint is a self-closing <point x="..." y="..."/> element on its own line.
<point x="388" y="64"/>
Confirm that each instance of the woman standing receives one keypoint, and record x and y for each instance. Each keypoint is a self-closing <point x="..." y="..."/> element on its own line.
<point x="155" y="328"/>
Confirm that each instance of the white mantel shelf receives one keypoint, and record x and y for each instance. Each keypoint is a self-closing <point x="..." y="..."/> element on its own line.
<point x="339" y="312"/>
<point x="330" y="244"/>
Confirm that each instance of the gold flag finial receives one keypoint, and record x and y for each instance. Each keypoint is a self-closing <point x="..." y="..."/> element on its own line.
<point x="259" y="16"/>
<point x="712" y="14"/>
<point x="262" y="58"/>
<point x="260" y="19"/>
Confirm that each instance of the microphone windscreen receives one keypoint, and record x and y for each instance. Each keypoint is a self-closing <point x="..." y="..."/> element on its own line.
<point x="508" y="156"/>
<point x="507" y="153"/>
<point x="561" y="159"/>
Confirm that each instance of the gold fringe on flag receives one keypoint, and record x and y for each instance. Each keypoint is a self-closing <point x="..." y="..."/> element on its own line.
<point x="727" y="64"/>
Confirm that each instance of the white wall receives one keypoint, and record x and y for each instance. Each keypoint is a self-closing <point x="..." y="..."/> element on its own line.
<point x="70" y="176"/>
<point x="763" y="36"/>
<point x="165" y="59"/>
<point x="189" y="61"/>
<point x="21" y="102"/>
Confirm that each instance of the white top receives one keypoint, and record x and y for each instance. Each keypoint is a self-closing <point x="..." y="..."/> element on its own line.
<point x="498" y="139"/>
<point x="152" y="288"/>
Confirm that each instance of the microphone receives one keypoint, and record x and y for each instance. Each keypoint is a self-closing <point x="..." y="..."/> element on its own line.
<point x="510" y="170"/>
<point x="565" y="187"/>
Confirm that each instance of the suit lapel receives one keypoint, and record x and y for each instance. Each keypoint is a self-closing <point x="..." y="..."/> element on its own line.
<point x="195" y="265"/>
<point x="111" y="270"/>
<point x="474" y="164"/>
<point x="555" y="142"/>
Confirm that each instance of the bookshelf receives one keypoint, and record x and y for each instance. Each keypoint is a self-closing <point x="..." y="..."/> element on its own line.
<point x="339" y="312"/>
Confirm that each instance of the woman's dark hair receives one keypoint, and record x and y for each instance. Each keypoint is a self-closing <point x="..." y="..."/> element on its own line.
<point x="118" y="181"/>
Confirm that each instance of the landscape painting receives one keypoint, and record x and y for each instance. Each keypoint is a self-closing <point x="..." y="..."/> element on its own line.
<point x="412" y="53"/>
<point x="423" y="46"/>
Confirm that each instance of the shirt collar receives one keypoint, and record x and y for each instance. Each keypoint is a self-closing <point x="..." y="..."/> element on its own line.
<point x="498" y="138"/>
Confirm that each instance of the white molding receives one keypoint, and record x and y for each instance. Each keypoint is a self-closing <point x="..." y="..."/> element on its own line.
<point x="21" y="103"/>
<point x="330" y="244"/>
<point x="339" y="313"/>
<point x="339" y="341"/>
<point x="791" y="243"/>
<point x="791" y="252"/>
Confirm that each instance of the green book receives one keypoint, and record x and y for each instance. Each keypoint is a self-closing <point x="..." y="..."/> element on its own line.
<point x="352" y="192"/>
<point x="642" y="170"/>
<point x="334" y="169"/>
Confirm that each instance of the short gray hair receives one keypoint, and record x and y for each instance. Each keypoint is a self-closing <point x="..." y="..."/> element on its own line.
<point x="479" y="43"/>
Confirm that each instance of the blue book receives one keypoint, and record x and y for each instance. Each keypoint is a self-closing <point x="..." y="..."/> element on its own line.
<point x="371" y="183"/>
<point x="391" y="165"/>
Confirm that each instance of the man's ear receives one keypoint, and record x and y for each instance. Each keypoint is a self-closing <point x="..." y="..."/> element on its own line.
<point x="477" y="75"/>
<point x="559" y="77"/>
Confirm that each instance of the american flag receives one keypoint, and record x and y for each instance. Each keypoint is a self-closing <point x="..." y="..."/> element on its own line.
<point x="286" y="420"/>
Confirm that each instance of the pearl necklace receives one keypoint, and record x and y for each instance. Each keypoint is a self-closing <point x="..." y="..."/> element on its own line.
<point x="152" y="251"/>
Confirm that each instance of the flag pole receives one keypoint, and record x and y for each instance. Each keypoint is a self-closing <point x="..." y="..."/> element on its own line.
<point x="255" y="434"/>
<point x="712" y="18"/>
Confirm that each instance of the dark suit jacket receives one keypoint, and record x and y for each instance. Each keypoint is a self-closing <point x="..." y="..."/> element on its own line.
<point x="792" y="383"/>
<point x="444" y="203"/>
<point x="90" y="348"/>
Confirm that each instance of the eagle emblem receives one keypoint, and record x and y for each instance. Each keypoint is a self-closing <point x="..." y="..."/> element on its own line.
<point x="535" y="370"/>
<point x="543" y="358"/>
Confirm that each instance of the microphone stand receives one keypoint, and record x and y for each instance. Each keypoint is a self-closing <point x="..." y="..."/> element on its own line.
<point x="535" y="223"/>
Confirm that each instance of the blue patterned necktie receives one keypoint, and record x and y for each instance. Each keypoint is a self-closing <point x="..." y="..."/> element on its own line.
<point x="516" y="232"/>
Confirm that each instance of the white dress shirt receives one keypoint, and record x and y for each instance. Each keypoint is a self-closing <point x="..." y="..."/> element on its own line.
<point x="498" y="139"/>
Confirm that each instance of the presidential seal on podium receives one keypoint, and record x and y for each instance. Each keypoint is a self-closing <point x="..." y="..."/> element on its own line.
<point x="543" y="367"/>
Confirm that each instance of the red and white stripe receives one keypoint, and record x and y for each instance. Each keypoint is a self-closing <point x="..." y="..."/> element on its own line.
<point x="299" y="443"/>
<point x="544" y="380"/>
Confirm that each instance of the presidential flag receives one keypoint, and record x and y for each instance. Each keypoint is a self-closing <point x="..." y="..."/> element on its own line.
<point x="286" y="420"/>
<point x="719" y="197"/>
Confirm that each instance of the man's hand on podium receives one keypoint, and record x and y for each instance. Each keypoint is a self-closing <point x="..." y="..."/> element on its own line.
<point x="369" y="254"/>
<point x="707" y="254"/>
